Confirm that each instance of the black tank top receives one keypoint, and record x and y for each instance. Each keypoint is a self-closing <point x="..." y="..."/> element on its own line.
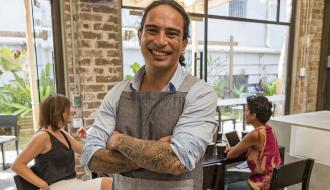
<point x="57" y="164"/>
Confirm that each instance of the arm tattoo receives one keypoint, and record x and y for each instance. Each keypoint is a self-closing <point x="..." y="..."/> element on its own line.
<point x="112" y="161"/>
<point x="156" y="156"/>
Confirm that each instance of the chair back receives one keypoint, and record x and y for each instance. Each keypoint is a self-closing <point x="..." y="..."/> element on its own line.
<point x="22" y="184"/>
<point x="9" y="121"/>
<point x="282" y="153"/>
<point x="211" y="176"/>
<point x="293" y="173"/>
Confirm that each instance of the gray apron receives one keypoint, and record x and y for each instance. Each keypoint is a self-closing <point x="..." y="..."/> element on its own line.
<point x="150" y="116"/>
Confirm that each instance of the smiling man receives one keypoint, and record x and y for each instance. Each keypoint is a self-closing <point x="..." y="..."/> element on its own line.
<point x="152" y="131"/>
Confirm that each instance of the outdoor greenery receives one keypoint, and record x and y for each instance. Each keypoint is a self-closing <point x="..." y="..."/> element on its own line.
<point x="135" y="67"/>
<point x="11" y="60"/>
<point x="15" y="97"/>
<point x="269" y="88"/>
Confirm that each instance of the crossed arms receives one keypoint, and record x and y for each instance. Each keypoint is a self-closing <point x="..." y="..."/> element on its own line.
<point x="124" y="153"/>
<point x="122" y="149"/>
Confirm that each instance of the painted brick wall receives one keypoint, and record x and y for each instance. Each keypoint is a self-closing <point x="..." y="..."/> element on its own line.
<point x="307" y="55"/>
<point x="97" y="42"/>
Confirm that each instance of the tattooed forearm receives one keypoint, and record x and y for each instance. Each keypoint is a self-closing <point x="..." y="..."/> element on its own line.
<point x="156" y="156"/>
<point x="111" y="161"/>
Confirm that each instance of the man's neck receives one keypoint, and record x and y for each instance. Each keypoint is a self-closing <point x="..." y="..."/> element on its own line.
<point x="155" y="81"/>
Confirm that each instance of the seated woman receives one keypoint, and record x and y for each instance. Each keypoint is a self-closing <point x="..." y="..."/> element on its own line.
<point x="260" y="144"/>
<point x="53" y="152"/>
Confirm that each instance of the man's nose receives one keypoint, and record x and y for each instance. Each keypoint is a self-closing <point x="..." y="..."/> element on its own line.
<point x="161" y="39"/>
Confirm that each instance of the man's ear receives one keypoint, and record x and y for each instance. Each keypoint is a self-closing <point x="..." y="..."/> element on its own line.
<point x="139" y="36"/>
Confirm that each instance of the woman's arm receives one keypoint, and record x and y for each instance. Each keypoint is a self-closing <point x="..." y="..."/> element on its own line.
<point x="76" y="145"/>
<point x="37" y="145"/>
<point x="251" y="139"/>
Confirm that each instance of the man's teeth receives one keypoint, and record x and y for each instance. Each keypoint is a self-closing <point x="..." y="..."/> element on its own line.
<point x="159" y="53"/>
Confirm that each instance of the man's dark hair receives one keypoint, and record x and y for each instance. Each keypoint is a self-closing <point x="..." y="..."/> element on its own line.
<point x="260" y="106"/>
<point x="177" y="7"/>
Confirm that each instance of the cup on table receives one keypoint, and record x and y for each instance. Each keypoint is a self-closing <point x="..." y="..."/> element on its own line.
<point x="219" y="137"/>
<point x="221" y="147"/>
<point x="244" y="133"/>
<point x="209" y="150"/>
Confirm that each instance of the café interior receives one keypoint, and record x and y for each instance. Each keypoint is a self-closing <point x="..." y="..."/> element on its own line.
<point x="279" y="49"/>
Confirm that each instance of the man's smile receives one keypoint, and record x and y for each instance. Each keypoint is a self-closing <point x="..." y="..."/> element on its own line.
<point x="159" y="53"/>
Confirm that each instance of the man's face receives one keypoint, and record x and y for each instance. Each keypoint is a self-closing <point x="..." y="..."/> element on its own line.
<point x="162" y="40"/>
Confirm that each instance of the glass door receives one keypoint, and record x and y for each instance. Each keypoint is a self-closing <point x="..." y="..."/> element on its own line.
<point x="44" y="47"/>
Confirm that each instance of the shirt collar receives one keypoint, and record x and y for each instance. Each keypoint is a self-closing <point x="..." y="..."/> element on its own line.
<point x="172" y="86"/>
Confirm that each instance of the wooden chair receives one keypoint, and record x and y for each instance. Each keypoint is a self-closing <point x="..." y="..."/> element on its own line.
<point x="212" y="176"/>
<point x="8" y="121"/>
<point x="22" y="184"/>
<point x="293" y="173"/>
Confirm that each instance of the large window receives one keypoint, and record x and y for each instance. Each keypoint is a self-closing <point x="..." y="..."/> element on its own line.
<point x="239" y="47"/>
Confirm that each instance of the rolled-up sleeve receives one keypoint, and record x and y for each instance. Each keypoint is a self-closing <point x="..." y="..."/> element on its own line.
<point x="103" y="125"/>
<point x="196" y="126"/>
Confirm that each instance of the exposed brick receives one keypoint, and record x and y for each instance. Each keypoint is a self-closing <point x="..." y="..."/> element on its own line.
<point x="104" y="27"/>
<point x="85" y="62"/>
<point x="90" y="17"/>
<point x="107" y="78"/>
<point x="113" y="36"/>
<point x="89" y="122"/>
<point x="112" y="19"/>
<point x="84" y="70"/>
<point x="88" y="96"/>
<point x="91" y="35"/>
<point x="102" y="61"/>
<point x="90" y="53"/>
<point x="92" y="105"/>
<point x="114" y="70"/>
<point x="104" y="9"/>
<point x="99" y="70"/>
<point x="305" y="91"/>
<point x="88" y="114"/>
<point x="112" y="53"/>
<point x="105" y="44"/>
<point x="100" y="96"/>
<point x="85" y="44"/>
<point x="93" y="88"/>
<point x="109" y="87"/>
<point x="96" y="28"/>
<point x="85" y="7"/>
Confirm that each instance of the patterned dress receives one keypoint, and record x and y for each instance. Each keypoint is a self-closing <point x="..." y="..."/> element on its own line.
<point x="263" y="159"/>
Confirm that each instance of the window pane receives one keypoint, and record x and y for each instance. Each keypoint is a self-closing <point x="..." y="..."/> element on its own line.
<point x="285" y="11"/>
<point x="252" y="9"/>
<point x="246" y="58"/>
<point x="132" y="56"/>
<point x="191" y="6"/>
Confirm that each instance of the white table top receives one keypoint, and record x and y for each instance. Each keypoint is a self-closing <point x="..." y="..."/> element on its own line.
<point x="318" y="120"/>
<point x="242" y="101"/>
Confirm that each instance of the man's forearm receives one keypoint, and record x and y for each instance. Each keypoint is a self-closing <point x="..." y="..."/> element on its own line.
<point x="111" y="161"/>
<point x="156" y="156"/>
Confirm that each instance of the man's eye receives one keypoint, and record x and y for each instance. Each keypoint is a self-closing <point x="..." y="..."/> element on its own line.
<point x="152" y="31"/>
<point x="172" y="34"/>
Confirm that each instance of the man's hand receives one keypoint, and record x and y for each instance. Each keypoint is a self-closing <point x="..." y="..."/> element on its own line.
<point x="113" y="140"/>
<point x="81" y="133"/>
<point x="166" y="139"/>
